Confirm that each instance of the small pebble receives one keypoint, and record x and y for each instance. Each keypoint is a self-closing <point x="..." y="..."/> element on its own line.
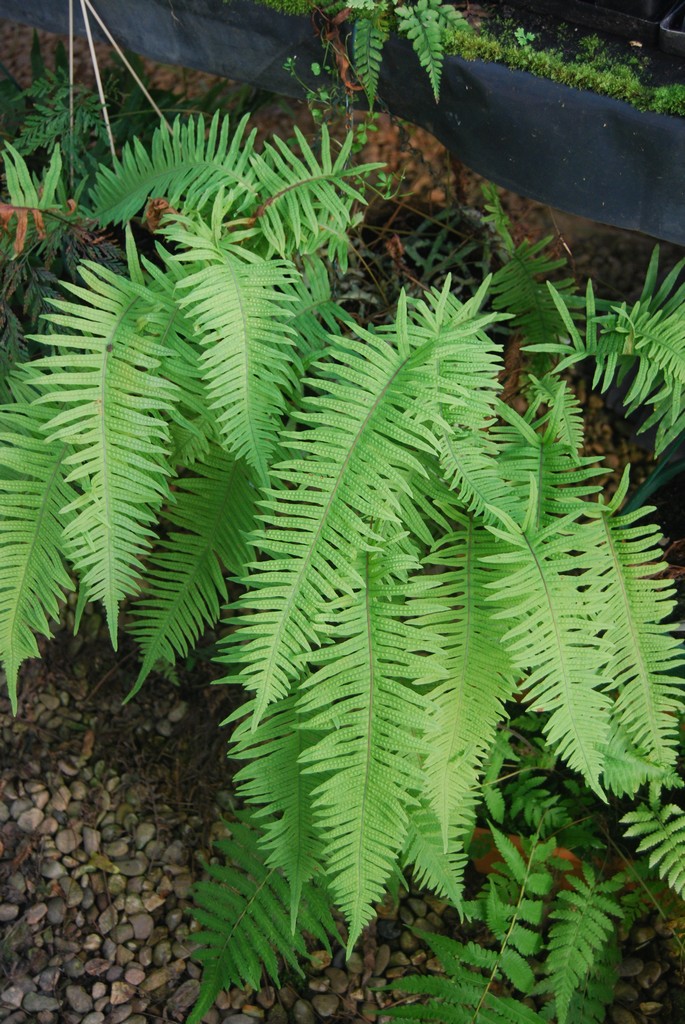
<point x="28" y="821"/>
<point x="325" y="1005"/>
<point x="8" y="912"/>
<point x="79" y="999"/>
<point x="122" y="992"/>
<point x="36" y="913"/>
<point x="67" y="840"/>
<point x="303" y="1012"/>
<point x="142" y="925"/>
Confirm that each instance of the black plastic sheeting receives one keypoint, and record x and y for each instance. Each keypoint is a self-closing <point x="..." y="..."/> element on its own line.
<point x="577" y="151"/>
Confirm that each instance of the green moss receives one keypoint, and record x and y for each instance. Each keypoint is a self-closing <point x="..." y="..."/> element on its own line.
<point x="593" y="69"/>
<point x="287" y="6"/>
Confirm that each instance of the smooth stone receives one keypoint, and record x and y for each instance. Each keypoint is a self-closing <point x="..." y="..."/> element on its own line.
<point x="650" y="974"/>
<point x="94" y="1017"/>
<point x="36" y="913"/>
<point x="303" y="1013"/>
<point x="53" y="869"/>
<point x="91" y="840"/>
<point x="142" y="925"/>
<point x="79" y="999"/>
<point x="28" y="821"/>
<point x="156" y="979"/>
<point x="326" y="1005"/>
<point x="122" y="992"/>
<point x="162" y="953"/>
<point x="8" y="912"/>
<point x="12" y="996"/>
<point x="73" y="893"/>
<point x="34" y="1002"/>
<point x="116" y="849"/>
<point x="107" y="920"/>
<point x="67" y="840"/>
<point x="184" y="996"/>
<point x="178" y="712"/>
<point x="134" y="975"/>
<point x="133" y="867"/>
<point x="145" y="833"/>
<point x="121" y="932"/>
<point x="56" y="910"/>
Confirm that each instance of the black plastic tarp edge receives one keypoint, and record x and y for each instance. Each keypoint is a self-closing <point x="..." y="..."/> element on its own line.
<point x="583" y="153"/>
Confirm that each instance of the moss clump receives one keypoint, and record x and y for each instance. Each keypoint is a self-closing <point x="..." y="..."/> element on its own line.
<point x="592" y="70"/>
<point x="287" y="6"/>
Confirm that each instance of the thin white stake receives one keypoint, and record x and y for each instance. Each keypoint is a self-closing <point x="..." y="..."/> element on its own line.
<point x="127" y="64"/>
<point x="96" y="69"/>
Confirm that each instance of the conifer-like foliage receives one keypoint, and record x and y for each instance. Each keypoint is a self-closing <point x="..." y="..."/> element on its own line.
<point x="407" y="552"/>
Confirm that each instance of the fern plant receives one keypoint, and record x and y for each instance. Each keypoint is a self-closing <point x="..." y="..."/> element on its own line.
<point x="407" y="551"/>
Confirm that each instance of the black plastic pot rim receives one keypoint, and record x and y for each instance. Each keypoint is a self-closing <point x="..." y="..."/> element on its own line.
<point x="580" y="152"/>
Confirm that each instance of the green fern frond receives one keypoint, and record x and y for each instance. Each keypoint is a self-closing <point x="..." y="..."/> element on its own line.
<point x="272" y="781"/>
<point x="519" y="288"/>
<point x="467" y="706"/>
<point x="305" y="201"/>
<point x="369" y="38"/>
<point x="188" y="167"/>
<point x="652" y="340"/>
<point x="212" y="512"/>
<point x="33" y="577"/>
<point x="424" y="852"/>
<point x="112" y="400"/>
<point x="243" y="911"/>
<point x="363" y="435"/>
<point x="464" y="995"/>
<point x="555" y="639"/>
<point x="315" y="314"/>
<point x="661" y="831"/>
<point x="23" y="188"/>
<point x="240" y="307"/>
<point x="583" y="921"/>
<point x="425" y="24"/>
<point x="363" y="696"/>
<point x="645" y="654"/>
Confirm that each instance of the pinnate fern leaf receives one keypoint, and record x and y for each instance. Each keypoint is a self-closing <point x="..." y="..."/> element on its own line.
<point x="33" y="576"/>
<point x="188" y="167"/>
<point x="584" y="920"/>
<point x="363" y="696"/>
<point x="240" y="308"/>
<point x="645" y="655"/>
<point x="661" y="831"/>
<point x="468" y="704"/>
<point x="369" y="38"/>
<point x="212" y="512"/>
<point x="112" y="404"/>
<point x="363" y="435"/>
<point x="243" y="910"/>
<point x="552" y="639"/>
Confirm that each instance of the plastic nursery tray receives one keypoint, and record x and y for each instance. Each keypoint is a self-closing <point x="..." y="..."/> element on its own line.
<point x="633" y="19"/>
<point x="672" y="31"/>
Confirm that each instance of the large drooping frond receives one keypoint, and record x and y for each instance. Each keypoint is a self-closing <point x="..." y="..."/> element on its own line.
<point x="364" y="697"/>
<point x="210" y="516"/>
<point x="468" y="704"/>
<point x="556" y="637"/>
<point x="104" y="380"/>
<point x="187" y="166"/>
<point x="33" y="577"/>
<point x="645" y="655"/>
<point x="424" y="855"/>
<point x="364" y="432"/>
<point x="272" y="781"/>
<point x="240" y="308"/>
